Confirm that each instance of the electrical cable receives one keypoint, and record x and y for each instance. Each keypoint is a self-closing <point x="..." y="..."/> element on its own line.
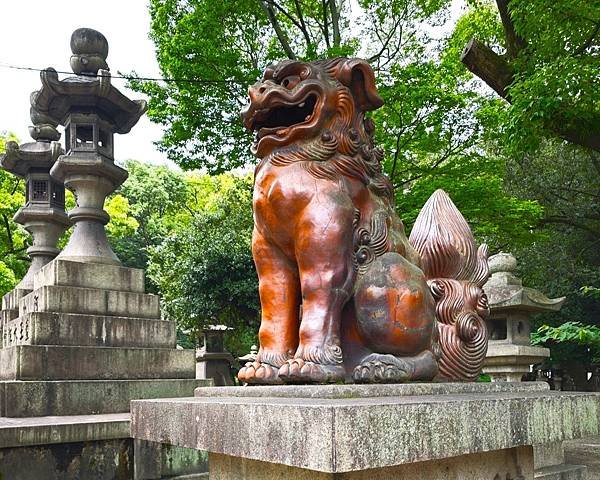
<point x="130" y="77"/>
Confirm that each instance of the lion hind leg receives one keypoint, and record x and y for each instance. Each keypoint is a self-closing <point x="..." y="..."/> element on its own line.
<point x="384" y="368"/>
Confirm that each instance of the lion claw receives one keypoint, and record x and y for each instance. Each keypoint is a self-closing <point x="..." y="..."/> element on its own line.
<point x="297" y="370"/>
<point x="259" y="373"/>
<point x="374" y="370"/>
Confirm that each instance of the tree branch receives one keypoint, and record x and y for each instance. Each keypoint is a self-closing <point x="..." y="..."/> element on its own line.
<point x="281" y="36"/>
<point x="569" y="222"/>
<point x="335" y="23"/>
<point x="325" y="23"/>
<point x="298" y="23"/>
<point x="514" y="43"/>
<point x="493" y="69"/>
<point x="588" y="42"/>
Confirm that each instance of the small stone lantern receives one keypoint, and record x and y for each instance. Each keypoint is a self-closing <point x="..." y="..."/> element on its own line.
<point x="43" y="214"/>
<point x="510" y="352"/>
<point x="92" y="110"/>
<point x="212" y="360"/>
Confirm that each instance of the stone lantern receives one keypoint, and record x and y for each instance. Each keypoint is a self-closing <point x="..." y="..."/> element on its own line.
<point x="212" y="360"/>
<point x="43" y="214"/>
<point x="510" y="352"/>
<point x="92" y="110"/>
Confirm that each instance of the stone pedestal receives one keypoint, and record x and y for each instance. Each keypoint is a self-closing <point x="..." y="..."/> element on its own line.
<point x="86" y="348"/>
<point x="425" y="431"/>
<point x="86" y="341"/>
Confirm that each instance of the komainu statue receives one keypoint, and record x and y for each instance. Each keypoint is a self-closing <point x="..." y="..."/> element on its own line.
<point x="344" y="294"/>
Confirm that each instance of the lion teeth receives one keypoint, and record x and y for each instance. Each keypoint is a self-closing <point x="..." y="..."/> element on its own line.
<point x="307" y="118"/>
<point x="301" y="105"/>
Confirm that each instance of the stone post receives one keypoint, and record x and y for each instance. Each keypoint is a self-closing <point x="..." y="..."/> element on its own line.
<point x="510" y="352"/>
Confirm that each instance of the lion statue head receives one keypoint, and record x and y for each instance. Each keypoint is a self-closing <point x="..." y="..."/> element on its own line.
<point x="314" y="112"/>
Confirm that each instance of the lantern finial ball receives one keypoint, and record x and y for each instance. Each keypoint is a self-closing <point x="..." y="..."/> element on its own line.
<point x="90" y="49"/>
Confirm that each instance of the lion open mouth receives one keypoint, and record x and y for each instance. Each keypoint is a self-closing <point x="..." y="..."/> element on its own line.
<point x="274" y="119"/>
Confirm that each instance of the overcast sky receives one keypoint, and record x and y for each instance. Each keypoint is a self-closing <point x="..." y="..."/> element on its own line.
<point x="36" y="33"/>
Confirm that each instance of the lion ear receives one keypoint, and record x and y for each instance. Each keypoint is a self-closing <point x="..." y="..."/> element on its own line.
<point x="358" y="76"/>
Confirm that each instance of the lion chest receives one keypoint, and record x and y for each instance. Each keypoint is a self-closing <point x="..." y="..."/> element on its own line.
<point x="280" y="196"/>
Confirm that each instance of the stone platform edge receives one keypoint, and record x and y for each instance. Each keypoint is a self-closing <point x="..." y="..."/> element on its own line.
<point x="358" y="433"/>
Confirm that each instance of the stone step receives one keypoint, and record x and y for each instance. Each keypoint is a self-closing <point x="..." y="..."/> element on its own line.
<point x="61" y="272"/>
<point x="561" y="472"/>
<point x="90" y="301"/>
<point x="21" y="432"/>
<point x="10" y="301"/>
<point x="585" y="451"/>
<point x="42" y="362"/>
<point x="44" y="328"/>
<point x="83" y="397"/>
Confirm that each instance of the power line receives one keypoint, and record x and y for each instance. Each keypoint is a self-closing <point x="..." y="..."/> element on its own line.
<point x="131" y="77"/>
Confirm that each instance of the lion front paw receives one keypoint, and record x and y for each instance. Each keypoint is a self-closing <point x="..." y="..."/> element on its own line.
<point x="259" y="373"/>
<point x="298" y="370"/>
<point x="382" y="369"/>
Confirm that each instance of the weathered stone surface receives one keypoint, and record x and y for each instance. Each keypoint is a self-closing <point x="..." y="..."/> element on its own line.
<point x="155" y="460"/>
<point x="34" y="362"/>
<point x="89" y="275"/>
<point x="21" y="432"/>
<point x="90" y="301"/>
<point x="79" y="397"/>
<point x="509" y="362"/>
<point x="586" y="452"/>
<point x="562" y="472"/>
<point x="548" y="454"/>
<point x="98" y="460"/>
<point x="45" y="328"/>
<point x="369" y="391"/>
<point x="8" y="315"/>
<point x="509" y="463"/>
<point x="353" y="434"/>
<point x="10" y="301"/>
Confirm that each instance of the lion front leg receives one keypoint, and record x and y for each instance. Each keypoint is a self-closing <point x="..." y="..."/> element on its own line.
<point x="279" y="290"/>
<point x="324" y="255"/>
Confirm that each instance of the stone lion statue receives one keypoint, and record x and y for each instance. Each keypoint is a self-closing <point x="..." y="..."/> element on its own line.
<point x="345" y="296"/>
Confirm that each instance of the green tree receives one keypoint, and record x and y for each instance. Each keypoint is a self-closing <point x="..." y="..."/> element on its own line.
<point x="14" y="240"/>
<point x="214" y="50"/>
<point x="546" y="64"/>
<point x="204" y="267"/>
<point x="565" y="260"/>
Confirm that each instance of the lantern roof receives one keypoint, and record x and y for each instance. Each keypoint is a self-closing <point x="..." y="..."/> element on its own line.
<point x="505" y="291"/>
<point x="90" y="90"/>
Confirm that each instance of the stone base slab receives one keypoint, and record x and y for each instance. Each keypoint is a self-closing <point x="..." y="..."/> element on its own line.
<point x="78" y="397"/>
<point x="89" y="275"/>
<point x="90" y="301"/>
<point x="22" y="432"/>
<point x="44" y="328"/>
<point x="514" y="463"/>
<point x="353" y="432"/>
<point x="36" y="362"/>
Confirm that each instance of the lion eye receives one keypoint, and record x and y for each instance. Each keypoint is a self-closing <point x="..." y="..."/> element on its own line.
<point x="290" y="81"/>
